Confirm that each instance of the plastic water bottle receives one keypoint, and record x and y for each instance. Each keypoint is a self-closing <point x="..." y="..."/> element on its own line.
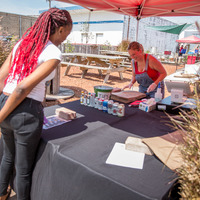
<point x="82" y="98"/>
<point x="158" y="94"/>
<point x="92" y="99"/>
<point x="88" y="99"/>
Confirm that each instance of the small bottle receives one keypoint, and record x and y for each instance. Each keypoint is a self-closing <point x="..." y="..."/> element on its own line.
<point x="96" y="102"/>
<point x="115" y="108"/>
<point x="88" y="99"/>
<point x="82" y="98"/>
<point x="158" y="94"/>
<point x="121" y="110"/>
<point x="100" y="104"/>
<point x="110" y="106"/>
<point x="105" y="105"/>
<point x="85" y="99"/>
<point x="92" y="97"/>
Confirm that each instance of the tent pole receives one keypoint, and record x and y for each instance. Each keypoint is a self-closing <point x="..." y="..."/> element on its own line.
<point x="128" y="27"/>
<point x="137" y="29"/>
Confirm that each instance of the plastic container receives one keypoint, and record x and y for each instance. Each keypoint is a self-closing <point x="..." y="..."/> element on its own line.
<point x="158" y="94"/>
<point x="103" y="91"/>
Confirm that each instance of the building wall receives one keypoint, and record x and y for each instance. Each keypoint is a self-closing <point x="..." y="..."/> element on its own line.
<point x="114" y="28"/>
<point x="12" y="24"/>
<point x="103" y="28"/>
<point x="149" y="38"/>
<point x="105" y="24"/>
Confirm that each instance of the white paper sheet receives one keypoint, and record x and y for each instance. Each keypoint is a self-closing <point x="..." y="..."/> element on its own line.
<point x="125" y="158"/>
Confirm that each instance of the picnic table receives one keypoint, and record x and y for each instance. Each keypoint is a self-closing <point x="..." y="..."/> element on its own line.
<point x="114" y="53"/>
<point x="103" y="63"/>
<point x="126" y="61"/>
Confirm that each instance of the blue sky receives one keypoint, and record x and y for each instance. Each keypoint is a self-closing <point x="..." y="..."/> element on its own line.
<point x="32" y="7"/>
<point x="27" y="7"/>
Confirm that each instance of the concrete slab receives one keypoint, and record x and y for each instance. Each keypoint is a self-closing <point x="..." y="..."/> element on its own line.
<point x="64" y="93"/>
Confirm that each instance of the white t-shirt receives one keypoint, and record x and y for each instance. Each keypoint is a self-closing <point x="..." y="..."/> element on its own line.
<point x="50" y="52"/>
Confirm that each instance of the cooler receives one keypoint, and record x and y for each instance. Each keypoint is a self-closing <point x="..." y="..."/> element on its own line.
<point x="191" y="59"/>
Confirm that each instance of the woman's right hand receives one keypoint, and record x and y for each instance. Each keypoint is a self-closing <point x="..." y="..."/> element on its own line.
<point x="128" y="86"/>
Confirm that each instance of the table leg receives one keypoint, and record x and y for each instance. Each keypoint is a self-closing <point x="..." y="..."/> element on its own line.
<point x="84" y="72"/>
<point x="107" y="77"/>
<point x="67" y="70"/>
<point x="120" y="73"/>
<point x="100" y="72"/>
<point x="68" y="66"/>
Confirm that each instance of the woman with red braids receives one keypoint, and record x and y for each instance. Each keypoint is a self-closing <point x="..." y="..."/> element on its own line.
<point x="22" y="89"/>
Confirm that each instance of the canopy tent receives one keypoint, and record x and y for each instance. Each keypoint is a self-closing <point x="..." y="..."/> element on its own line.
<point x="142" y="8"/>
<point x="191" y="40"/>
<point x="174" y="29"/>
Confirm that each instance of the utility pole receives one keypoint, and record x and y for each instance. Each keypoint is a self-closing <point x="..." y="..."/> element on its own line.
<point x="20" y="26"/>
<point x="49" y="3"/>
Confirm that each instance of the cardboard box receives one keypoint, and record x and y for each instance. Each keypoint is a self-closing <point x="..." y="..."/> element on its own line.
<point x="192" y="69"/>
<point x="65" y="113"/>
<point x="136" y="144"/>
<point x="147" y="108"/>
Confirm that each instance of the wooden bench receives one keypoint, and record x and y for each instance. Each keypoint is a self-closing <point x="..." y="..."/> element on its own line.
<point x="84" y="69"/>
<point x="126" y="66"/>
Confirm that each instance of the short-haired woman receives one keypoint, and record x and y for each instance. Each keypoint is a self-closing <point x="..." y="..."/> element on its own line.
<point x="146" y="70"/>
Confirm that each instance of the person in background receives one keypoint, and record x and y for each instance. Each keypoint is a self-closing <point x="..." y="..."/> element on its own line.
<point x="196" y="49"/>
<point x="22" y="89"/>
<point x="177" y="49"/>
<point x="146" y="70"/>
<point x="177" y="53"/>
<point x="180" y="50"/>
<point x="185" y="49"/>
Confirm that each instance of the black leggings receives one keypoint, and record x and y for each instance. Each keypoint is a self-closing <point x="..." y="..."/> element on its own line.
<point x="21" y="132"/>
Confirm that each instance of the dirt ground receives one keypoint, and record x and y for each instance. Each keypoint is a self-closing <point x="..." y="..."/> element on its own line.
<point x="74" y="81"/>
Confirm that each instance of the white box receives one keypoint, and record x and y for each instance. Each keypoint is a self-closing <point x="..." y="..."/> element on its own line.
<point x="147" y="108"/>
<point x="192" y="69"/>
<point x="177" y="95"/>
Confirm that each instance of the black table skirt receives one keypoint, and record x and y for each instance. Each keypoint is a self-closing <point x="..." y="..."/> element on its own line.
<point x="71" y="157"/>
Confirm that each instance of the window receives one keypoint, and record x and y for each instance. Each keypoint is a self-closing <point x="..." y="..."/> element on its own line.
<point x="84" y="37"/>
<point x="99" y="38"/>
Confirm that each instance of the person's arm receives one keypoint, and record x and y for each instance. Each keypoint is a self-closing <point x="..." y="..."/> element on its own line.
<point x="4" y="71"/>
<point x="26" y="85"/>
<point x="156" y="65"/>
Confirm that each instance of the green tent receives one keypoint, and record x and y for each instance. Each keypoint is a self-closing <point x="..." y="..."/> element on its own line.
<point x="174" y="29"/>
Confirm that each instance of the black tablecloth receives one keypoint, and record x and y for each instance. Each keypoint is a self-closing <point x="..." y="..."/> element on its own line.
<point x="71" y="158"/>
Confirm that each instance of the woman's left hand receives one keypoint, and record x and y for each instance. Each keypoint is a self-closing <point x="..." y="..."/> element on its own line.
<point x="151" y="87"/>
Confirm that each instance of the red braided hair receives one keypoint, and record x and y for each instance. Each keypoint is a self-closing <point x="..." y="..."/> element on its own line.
<point x="34" y="40"/>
